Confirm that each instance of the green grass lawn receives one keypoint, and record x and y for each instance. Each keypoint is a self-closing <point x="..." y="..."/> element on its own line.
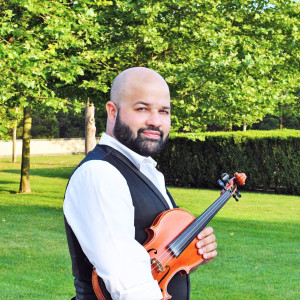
<point x="258" y="239"/>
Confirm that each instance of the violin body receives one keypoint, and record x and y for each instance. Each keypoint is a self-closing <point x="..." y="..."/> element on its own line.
<point x="172" y="238"/>
<point x="165" y="228"/>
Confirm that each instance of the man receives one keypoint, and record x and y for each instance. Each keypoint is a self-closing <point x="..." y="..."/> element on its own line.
<point x="116" y="193"/>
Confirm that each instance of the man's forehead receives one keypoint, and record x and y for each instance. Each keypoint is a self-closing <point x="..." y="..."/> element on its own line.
<point x="151" y="103"/>
<point x="140" y="84"/>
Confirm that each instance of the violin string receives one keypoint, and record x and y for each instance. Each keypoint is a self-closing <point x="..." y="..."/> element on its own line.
<point x="167" y="252"/>
<point x="204" y="218"/>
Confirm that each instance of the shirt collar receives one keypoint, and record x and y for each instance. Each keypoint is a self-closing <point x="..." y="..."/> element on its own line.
<point x="134" y="157"/>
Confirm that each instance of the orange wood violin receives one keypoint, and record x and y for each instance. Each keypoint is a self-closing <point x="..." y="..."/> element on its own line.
<point x="172" y="238"/>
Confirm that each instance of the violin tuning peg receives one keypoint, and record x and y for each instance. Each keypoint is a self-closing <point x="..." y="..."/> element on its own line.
<point x="235" y="197"/>
<point x="225" y="177"/>
<point x="238" y="193"/>
<point x="221" y="183"/>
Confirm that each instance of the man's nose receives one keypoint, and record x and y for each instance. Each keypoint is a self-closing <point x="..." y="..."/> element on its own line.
<point x="154" y="119"/>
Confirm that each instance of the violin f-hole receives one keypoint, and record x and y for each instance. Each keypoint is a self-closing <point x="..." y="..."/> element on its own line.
<point x="152" y="249"/>
<point x="167" y="267"/>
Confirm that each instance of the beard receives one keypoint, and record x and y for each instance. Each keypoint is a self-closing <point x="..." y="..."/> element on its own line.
<point x="139" y="144"/>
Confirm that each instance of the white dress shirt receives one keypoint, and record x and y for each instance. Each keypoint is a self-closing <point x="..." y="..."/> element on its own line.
<point x="98" y="207"/>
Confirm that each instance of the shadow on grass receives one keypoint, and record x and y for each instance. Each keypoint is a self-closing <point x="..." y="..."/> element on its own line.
<point x="4" y="188"/>
<point x="63" y="173"/>
<point x="6" y="182"/>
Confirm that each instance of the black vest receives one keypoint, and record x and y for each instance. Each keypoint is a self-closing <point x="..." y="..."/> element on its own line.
<point x="148" y="203"/>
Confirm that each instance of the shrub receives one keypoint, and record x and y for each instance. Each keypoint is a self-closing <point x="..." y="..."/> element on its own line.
<point x="270" y="159"/>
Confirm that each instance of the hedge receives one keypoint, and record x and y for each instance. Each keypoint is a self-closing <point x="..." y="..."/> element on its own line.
<point x="270" y="159"/>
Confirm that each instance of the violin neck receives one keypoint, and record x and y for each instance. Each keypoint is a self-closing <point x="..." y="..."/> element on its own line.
<point x="188" y="235"/>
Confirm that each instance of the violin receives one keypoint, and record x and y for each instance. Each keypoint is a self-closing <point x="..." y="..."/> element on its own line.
<point x="172" y="238"/>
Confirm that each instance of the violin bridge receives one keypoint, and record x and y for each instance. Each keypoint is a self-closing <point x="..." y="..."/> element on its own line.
<point x="157" y="264"/>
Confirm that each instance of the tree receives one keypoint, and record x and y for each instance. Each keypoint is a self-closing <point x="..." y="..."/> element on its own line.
<point x="227" y="62"/>
<point x="25" y="167"/>
<point x="287" y="105"/>
<point x="241" y="57"/>
<point x="90" y="128"/>
<point x="34" y="61"/>
<point x="9" y="120"/>
<point x="4" y="125"/>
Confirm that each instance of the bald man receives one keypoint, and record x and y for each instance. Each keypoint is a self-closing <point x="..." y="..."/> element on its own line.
<point x="116" y="192"/>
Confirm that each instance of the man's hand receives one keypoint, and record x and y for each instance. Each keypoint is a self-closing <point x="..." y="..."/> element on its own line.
<point x="207" y="245"/>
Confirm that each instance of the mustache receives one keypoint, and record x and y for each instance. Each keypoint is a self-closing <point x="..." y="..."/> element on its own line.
<point x="152" y="128"/>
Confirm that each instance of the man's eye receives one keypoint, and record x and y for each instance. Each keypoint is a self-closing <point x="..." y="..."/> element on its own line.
<point x="141" y="108"/>
<point x="166" y="112"/>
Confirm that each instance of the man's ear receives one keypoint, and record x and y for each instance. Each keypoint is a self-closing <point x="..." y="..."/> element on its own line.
<point x="112" y="111"/>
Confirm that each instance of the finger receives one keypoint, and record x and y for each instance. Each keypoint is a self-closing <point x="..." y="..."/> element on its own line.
<point x="206" y="241"/>
<point x="205" y="232"/>
<point x="207" y="249"/>
<point x="209" y="257"/>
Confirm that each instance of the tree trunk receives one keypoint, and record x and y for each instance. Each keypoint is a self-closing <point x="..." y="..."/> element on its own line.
<point x="90" y="128"/>
<point x="14" y="144"/>
<point x="244" y="127"/>
<point x="25" y="182"/>
<point x="281" y="122"/>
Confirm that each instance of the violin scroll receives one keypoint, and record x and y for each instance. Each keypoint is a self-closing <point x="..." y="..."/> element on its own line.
<point x="240" y="178"/>
<point x="231" y="184"/>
